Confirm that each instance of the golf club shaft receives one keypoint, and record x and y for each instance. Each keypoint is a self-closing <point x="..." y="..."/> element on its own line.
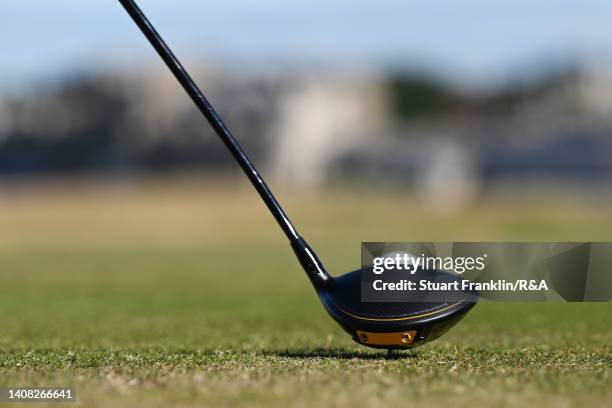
<point x="305" y="254"/>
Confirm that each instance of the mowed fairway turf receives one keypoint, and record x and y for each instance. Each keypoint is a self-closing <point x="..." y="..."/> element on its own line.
<point x="186" y="293"/>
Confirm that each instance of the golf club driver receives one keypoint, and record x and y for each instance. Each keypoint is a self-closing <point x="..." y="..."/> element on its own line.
<point x="387" y="325"/>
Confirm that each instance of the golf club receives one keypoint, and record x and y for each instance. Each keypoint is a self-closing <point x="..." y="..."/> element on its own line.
<point x="388" y="325"/>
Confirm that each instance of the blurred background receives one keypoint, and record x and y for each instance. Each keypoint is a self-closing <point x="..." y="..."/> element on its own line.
<point x="453" y="102"/>
<point x="125" y="224"/>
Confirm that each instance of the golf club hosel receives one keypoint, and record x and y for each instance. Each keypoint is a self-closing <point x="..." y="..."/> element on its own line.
<point x="311" y="263"/>
<point x="307" y="257"/>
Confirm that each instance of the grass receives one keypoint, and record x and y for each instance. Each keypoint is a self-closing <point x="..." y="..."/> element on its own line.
<point x="168" y="294"/>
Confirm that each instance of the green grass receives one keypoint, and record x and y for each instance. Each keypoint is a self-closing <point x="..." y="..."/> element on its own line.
<point x="198" y="316"/>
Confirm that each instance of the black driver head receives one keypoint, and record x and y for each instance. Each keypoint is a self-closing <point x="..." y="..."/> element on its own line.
<point x="393" y="325"/>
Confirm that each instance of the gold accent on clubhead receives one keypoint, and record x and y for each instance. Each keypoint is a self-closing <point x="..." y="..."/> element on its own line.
<point x="402" y="339"/>
<point x="397" y="319"/>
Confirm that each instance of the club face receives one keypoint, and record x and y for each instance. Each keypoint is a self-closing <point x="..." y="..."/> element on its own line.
<point x="390" y="325"/>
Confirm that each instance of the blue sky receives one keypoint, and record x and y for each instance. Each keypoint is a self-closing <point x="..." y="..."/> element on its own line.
<point x="469" y="39"/>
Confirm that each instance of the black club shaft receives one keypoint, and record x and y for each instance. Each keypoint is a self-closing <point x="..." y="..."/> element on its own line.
<point x="310" y="262"/>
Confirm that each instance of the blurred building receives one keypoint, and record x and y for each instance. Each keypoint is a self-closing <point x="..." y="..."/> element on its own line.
<point x="321" y="119"/>
<point x="307" y="129"/>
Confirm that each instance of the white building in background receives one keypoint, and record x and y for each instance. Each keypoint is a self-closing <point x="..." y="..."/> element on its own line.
<point x="447" y="179"/>
<point x="319" y="120"/>
<point x="595" y="90"/>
